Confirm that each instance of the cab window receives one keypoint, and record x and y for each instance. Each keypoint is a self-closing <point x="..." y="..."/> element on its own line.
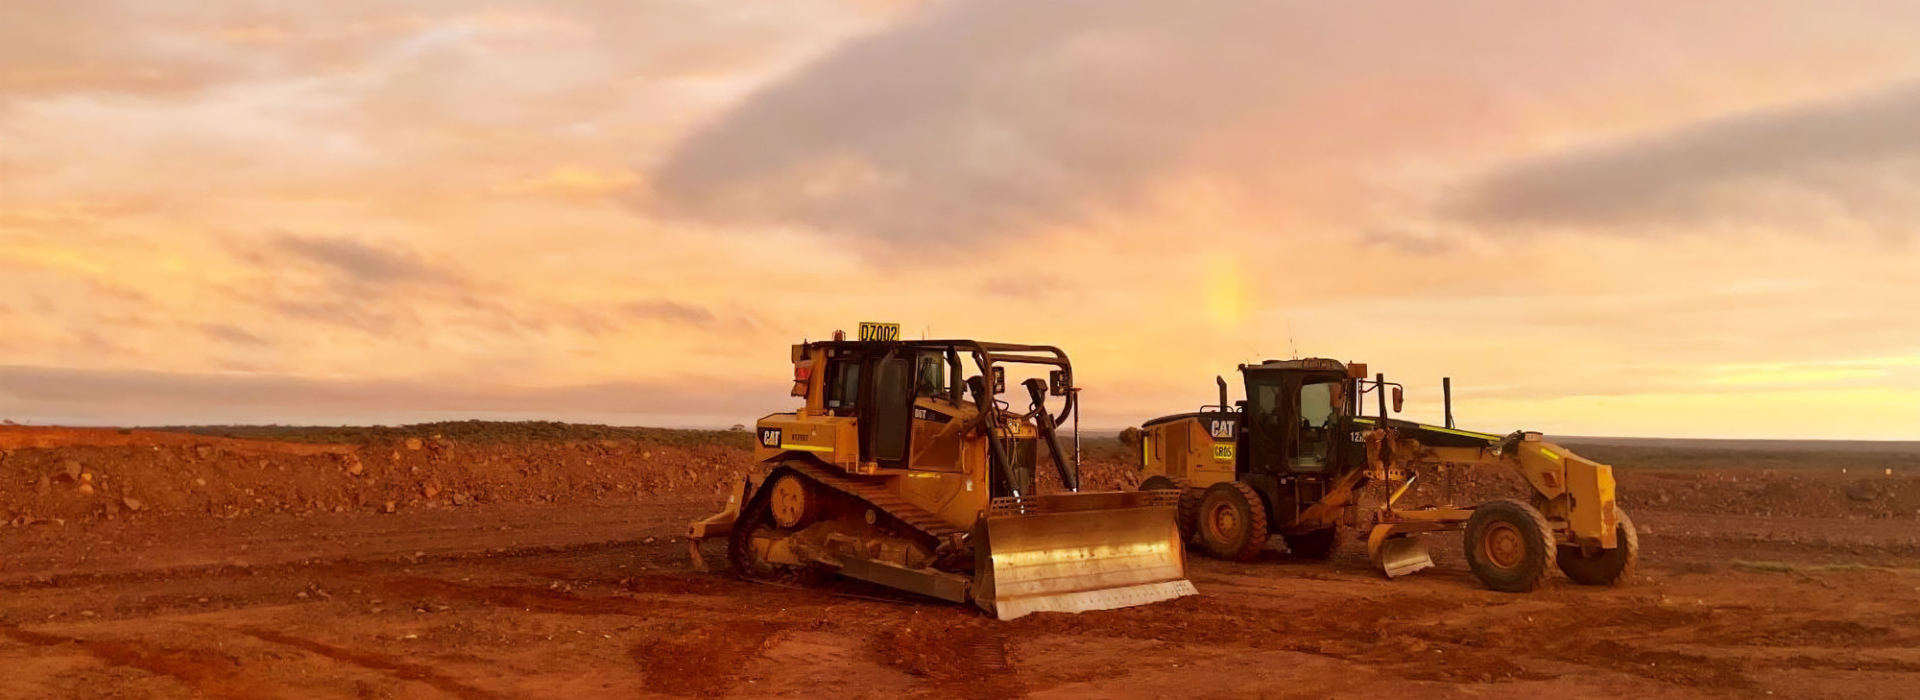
<point x="1313" y="448"/>
<point x="930" y="380"/>
<point x="843" y="390"/>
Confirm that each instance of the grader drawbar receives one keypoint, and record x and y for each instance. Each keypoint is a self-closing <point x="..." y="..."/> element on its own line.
<point x="1293" y="459"/>
<point x="902" y="471"/>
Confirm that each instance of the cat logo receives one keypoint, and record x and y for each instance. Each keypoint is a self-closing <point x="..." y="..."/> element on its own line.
<point x="770" y="437"/>
<point x="1223" y="430"/>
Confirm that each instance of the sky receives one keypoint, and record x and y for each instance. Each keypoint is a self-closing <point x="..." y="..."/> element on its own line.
<point x="1634" y="218"/>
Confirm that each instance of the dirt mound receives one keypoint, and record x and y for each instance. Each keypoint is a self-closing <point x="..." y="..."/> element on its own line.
<point x="13" y="437"/>
<point x="53" y="475"/>
<point x="1769" y="494"/>
<point x="476" y="431"/>
<point x="56" y="475"/>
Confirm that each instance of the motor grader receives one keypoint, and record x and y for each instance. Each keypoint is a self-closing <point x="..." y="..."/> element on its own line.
<point x="901" y="470"/>
<point x="1293" y="458"/>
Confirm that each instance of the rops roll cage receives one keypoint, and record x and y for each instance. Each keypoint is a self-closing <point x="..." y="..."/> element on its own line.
<point x="995" y="415"/>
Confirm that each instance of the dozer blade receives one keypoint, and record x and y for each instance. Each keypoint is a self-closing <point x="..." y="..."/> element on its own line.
<point x="1080" y="551"/>
<point x="1397" y="553"/>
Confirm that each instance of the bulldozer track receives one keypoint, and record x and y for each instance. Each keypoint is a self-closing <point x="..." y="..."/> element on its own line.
<point x="879" y="497"/>
<point x="923" y="523"/>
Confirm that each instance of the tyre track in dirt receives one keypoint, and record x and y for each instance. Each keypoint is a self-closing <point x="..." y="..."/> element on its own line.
<point x="209" y="673"/>
<point x="397" y="668"/>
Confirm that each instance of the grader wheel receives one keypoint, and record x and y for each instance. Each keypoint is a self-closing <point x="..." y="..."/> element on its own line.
<point x="1603" y="567"/>
<point x="1232" y="522"/>
<point x="1510" y="546"/>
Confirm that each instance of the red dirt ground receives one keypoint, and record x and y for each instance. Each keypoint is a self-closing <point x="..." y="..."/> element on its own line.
<point x="546" y="564"/>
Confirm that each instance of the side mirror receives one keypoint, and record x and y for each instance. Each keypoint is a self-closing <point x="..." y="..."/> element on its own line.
<point x="1399" y="399"/>
<point x="999" y="380"/>
<point x="1057" y="382"/>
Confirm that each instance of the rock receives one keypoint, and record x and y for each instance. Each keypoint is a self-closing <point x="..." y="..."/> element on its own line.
<point x="414" y="443"/>
<point x="650" y="540"/>
<point x="70" y="470"/>
<point x="203" y="451"/>
<point x="354" y="468"/>
<point x="1645" y="529"/>
<point x="429" y="490"/>
<point x="132" y="504"/>
<point x="1863" y="491"/>
<point x="460" y="499"/>
<point x="86" y="484"/>
<point x="199" y="482"/>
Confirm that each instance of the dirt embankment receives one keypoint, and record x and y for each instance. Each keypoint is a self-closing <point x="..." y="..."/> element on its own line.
<point x="51" y="476"/>
<point x="55" y="475"/>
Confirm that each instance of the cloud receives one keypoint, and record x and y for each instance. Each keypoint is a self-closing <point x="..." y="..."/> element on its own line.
<point x="573" y="182"/>
<point x="975" y="120"/>
<point x="364" y="262"/>
<point x="671" y="311"/>
<point x="121" y="396"/>
<point x="230" y="334"/>
<point x="1716" y="170"/>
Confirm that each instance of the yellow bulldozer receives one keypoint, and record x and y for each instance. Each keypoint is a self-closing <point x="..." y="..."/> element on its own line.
<point x="1293" y="458"/>
<point x="903" y="469"/>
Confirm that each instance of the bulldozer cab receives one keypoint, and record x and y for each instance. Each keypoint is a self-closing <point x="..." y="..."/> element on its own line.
<point x="875" y="385"/>
<point x="1297" y="418"/>
<point x="913" y="402"/>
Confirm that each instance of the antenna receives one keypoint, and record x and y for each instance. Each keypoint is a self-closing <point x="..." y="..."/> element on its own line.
<point x="1292" y="347"/>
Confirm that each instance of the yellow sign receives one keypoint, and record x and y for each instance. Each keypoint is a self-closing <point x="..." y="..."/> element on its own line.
<point x="1223" y="451"/>
<point x="879" y="332"/>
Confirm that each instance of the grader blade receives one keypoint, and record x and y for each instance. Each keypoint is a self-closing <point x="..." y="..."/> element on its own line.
<point x="1078" y="552"/>
<point x="1397" y="553"/>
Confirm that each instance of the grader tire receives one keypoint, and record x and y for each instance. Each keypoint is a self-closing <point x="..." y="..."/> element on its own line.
<point x="1318" y="544"/>
<point x="1189" y="500"/>
<point x="1510" y="546"/>
<point x="1607" y="567"/>
<point x="1232" y="522"/>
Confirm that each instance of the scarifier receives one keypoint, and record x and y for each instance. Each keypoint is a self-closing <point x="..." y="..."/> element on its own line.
<point x="900" y="472"/>
<point x="1292" y="458"/>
